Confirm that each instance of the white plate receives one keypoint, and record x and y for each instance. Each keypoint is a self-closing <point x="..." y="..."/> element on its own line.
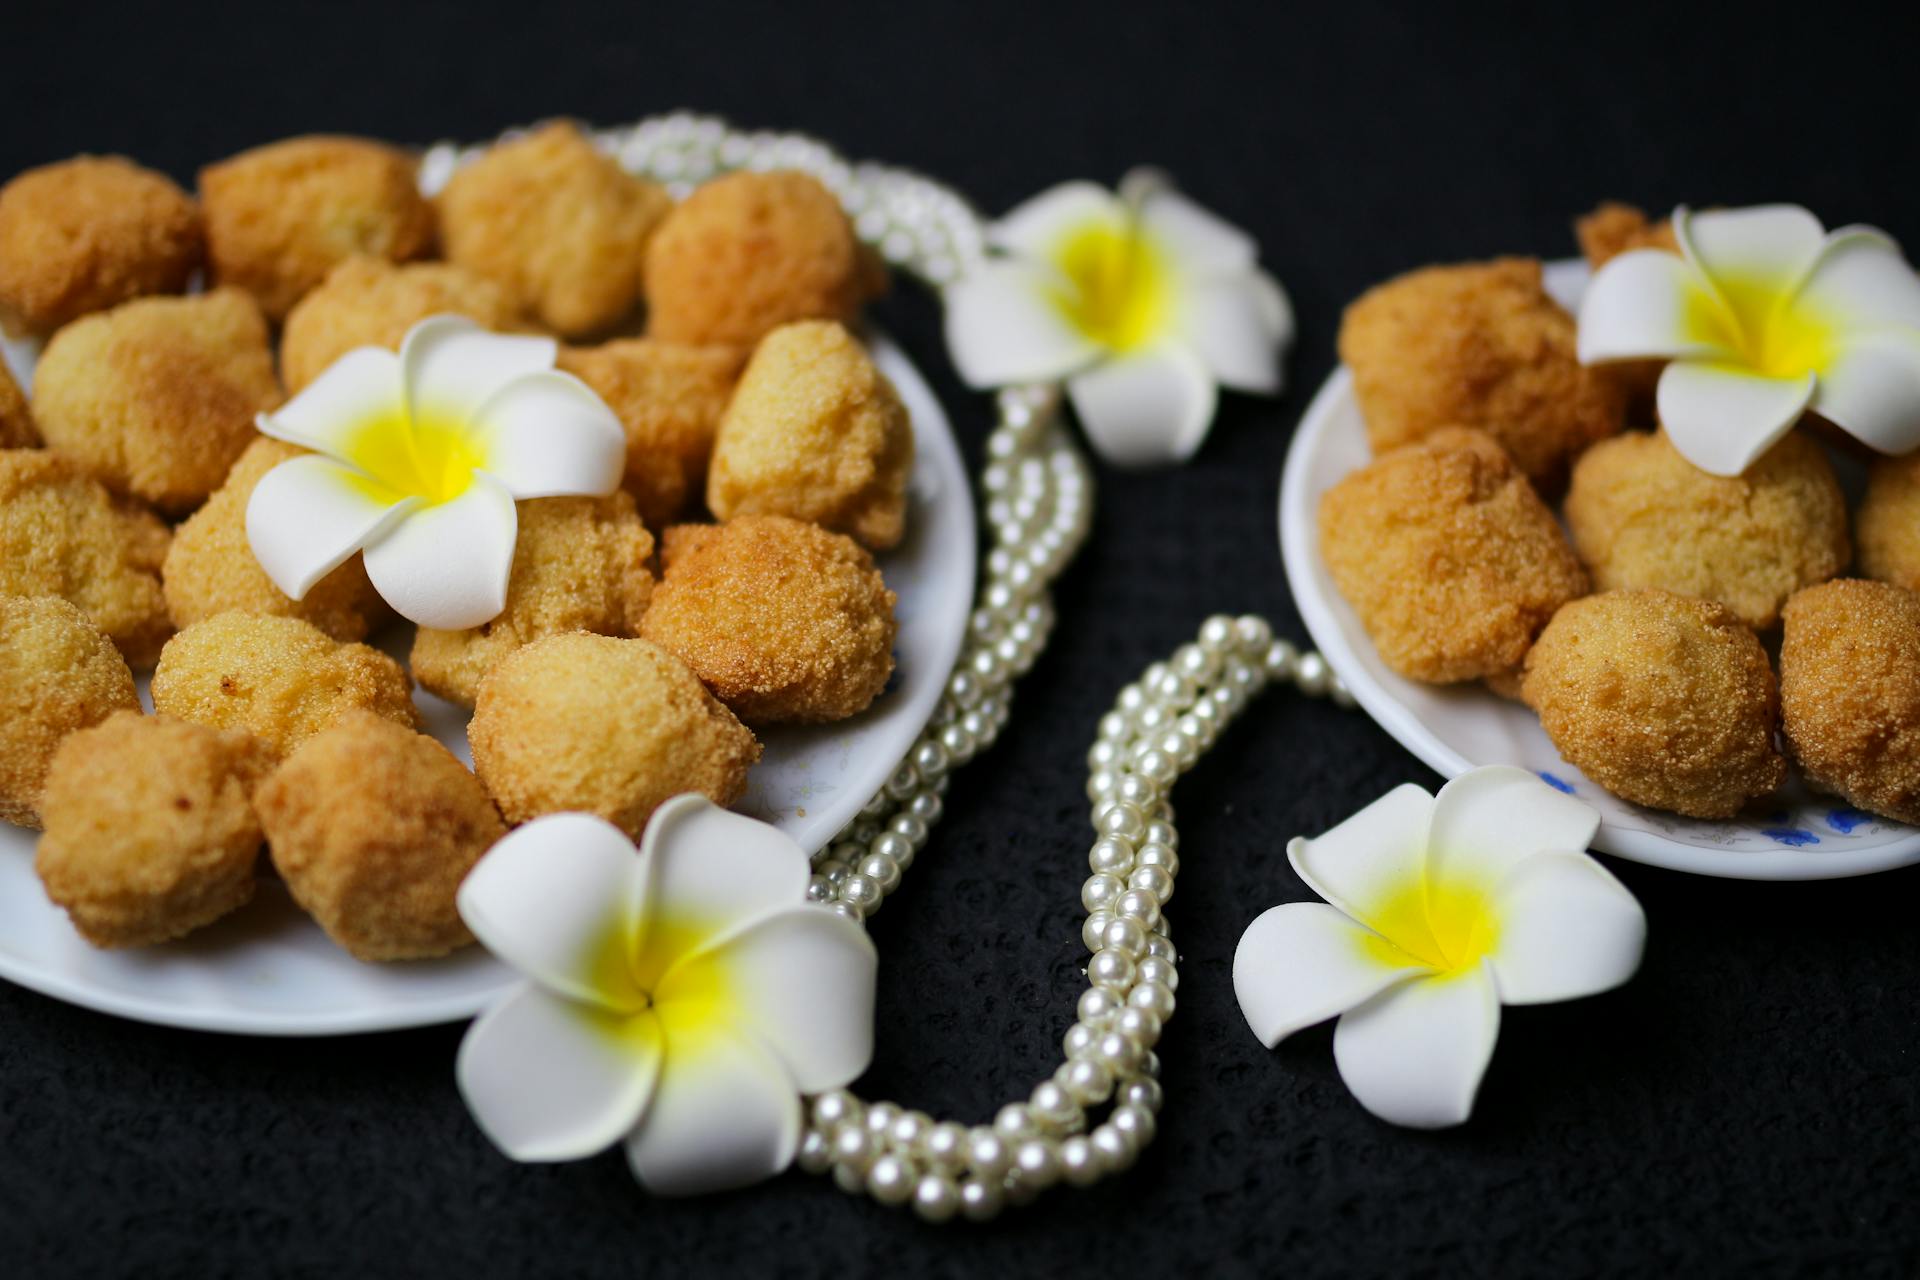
<point x="1799" y="836"/>
<point x="269" y="970"/>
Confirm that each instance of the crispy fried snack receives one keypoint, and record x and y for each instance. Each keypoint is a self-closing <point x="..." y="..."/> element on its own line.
<point x="561" y="225"/>
<point x="1850" y="692"/>
<point x="785" y="622"/>
<point x="16" y="423"/>
<point x="1888" y="522"/>
<point x="210" y="569"/>
<point x="1643" y="516"/>
<point x="373" y="827"/>
<point x="58" y="673"/>
<point x="1609" y="231"/>
<point x="1477" y="345"/>
<point x="158" y="397"/>
<point x="62" y="534"/>
<point x="280" y="217"/>
<point x="1662" y="699"/>
<point x="1449" y="557"/>
<point x="604" y="726"/>
<point x="581" y="564"/>
<point x="749" y="252"/>
<point x="371" y="302"/>
<point x="150" y="830"/>
<point x="815" y="432"/>
<point x="280" y="679"/>
<point x="669" y="396"/>
<point x="87" y="234"/>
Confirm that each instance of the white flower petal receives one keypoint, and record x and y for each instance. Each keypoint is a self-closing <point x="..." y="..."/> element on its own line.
<point x="1649" y="304"/>
<point x="1871" y="388"/>
<point x="1721" y="417"/>
<point x="446" y="566"/>
<point x="551" y="1080"/>
<point x="1036" y="227"/>
<point x="1004" y="327"/>
<point x="452" y="366"/>
<point x="1489" y="820"/>
<point x="725" y="1114"/>
<point x="1370" y="864"/>
<point x="1414" y="1055"/>
<point x="1861" y="281"/>
<point x="1199" y="242"/>
<point x="546" y="435"/>
<point x="1566" y="929"/>
<point x="1276" y="309"/>
<point x="360" y="386"/>
<point x="309" y="515"/>
<point x="1305" y="962"/>
<point x="1228" y="320"/>
<point x="559" y="899"/>
<point x="1147" y="408"/>
<point x="1768" y="246"/>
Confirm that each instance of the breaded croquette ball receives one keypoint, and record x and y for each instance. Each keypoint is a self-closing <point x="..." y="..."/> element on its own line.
<point x="62" y="534"/>
<point x="211" y="569"/>
<point x="1643" y="516"/>
<point x="373" y="827"/>
<point x="280" y="217"/>
<point x="669" y="397"/>
<point x="370" y="302"/>
<point x="16" y="422"/>
<point x="815" y="432"/>
<point x="158" y="397"/>
<point x="58" y="673"/>
<point x="1888" y="522"/>
<point x="1614" y="228"/>
<point x="1449" y="557"/>
<point x="580" y="564"/>
<point x="91" y="233"/>
<point x="561" y="225"/>
<point x="1662" y="699"/>
<point x="785" y="622"/>
<point x="280" y="679"/>
<point x="150" y="829"/>
<point x="600" y="725"/>
<point x="1477" y="345"/>
<point x="749" y="252"/>
<point x="1850" y="692"/>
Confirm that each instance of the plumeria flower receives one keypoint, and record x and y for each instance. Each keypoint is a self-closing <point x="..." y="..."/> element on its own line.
<point x="417" y="461"/>
<point x="1439" y="910"/>
<point x="1765" y="315"/>
<point x="681" y="999"/>
<point x="1140" y="301"/>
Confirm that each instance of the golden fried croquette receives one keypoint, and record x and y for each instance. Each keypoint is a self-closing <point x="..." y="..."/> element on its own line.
<point x="16" y="421"/>
<point x="605" y="726"/>
<point x="58" y="673"/>
<point x="785" y="622"/>
<point x="1614" y="228"/>
<point x="370" y="302"/>
<point x="561" y="225"/>
<point x="1662" y="699"/>
<point x="280" y="217"/>
<point x="157" y="397"/>
<point x="1449" y="557"/>
<point x="62" y="534"/>
<point x="211" y="569"/>
<point x="749" y="252"/>
<point x="1888" y="522"/>
<point x="373" y="827"/>
<point x="815" y="432"/>
<point x="1643" y="516"/>
<point x="1477" y="345"/>
<point x="580" y="564"/>
<point x="151" y="831"/>
<point x="90" y="233"/>
<point x="669" y="396"/>
<point x="280" y="679"/>
<point x="1850" y="692"/>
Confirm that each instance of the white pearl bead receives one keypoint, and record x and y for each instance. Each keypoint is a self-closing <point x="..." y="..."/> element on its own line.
<point x="927" y="807"/>
<point x="1146" y="1094"/>
<point x="1104" y="754"/>
<point x="1135" y="1120"/>
<point x="1280" y="660"/>
<point x="1015" y="1120"/>
<point x="1140" y="1025"/>
<point x="1156" y="854"/>
<point x="1054" y="1106"/>
<point x="861" y="892"/>
<point x="1313" y="675"/>
<point x="1159" y="969"/>
<point x="1111" y="969"/>
<point x="1126" y="936"/>
<point x="890" y="1181"/>
<point x="1153" y="997"/>
<point x="1252" y="633"/>
<point x="1153" y="880"/>
<point x="816" y="1153"/>
<point x="848" y="910"/>
<point x="853" y="1148"/>
<point x="1133" y="904"/>
<point x="1157" y="767"/>
<point x="1195" y="662"/>
<point x="1160" y="947"/>
<point x="1117" y="1150"/>
<point x="936" y="1199"/>
<point x="1110" y="857"/>
<point x="1097" y="1004"/>
<point x="980" y="1201"/>
<point x="832" y="1109"/>
<point x="1135" y="790"/>
<point x="987" y="1153"/>
<point x="1089" y="1082"/>
<point x="885" y="872"/>
<point x="1117" y="1053"/>
<point x="907" y="828"/>
<point x="1102" y="783"/>
<point x="908" y="1131"/>
<point x="835" y="870"/>
<point x="1037" y="1165"/>
<point x="1115" y="727"/>
<point x="1125" y="821"/>
<point x="1093" y="932"/>
<point x="1080" y="1040"/>
<point x="1079" y="1162"/>
<point x="819" y="889"/>
<point x="880" y="1118"/>
<point x="1100" y="891"/>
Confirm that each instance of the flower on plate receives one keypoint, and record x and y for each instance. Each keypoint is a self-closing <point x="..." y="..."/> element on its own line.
<point x="1443" y="908"/>
<point x="681" y="999"/>
<point x="417" y="461"/>
<point x="1765" y="315"/>
<point x="1140" y="301"/>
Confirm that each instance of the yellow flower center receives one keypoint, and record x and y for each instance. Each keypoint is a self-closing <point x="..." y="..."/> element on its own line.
<point x="690" y="998"/>
<point x="430" y="456"/>
<point x="1775" y="336"/>
<point x="1449" y="927"/>
<point x="1120" y="286"/>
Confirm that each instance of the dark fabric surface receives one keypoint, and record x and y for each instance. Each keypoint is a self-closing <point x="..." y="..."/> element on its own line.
<point x="1748" y="1105"/>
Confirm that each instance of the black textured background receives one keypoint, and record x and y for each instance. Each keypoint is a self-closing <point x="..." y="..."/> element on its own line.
<point x="1748" y="1105"/>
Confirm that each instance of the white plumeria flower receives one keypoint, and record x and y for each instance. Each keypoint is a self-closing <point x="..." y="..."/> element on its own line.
<point x="1140" y="301"/>
<point x="1765" y="315"/>
<point x="417" y="460"/>
<point x="682" y="999"/>
<point x="1442" y="909"/>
